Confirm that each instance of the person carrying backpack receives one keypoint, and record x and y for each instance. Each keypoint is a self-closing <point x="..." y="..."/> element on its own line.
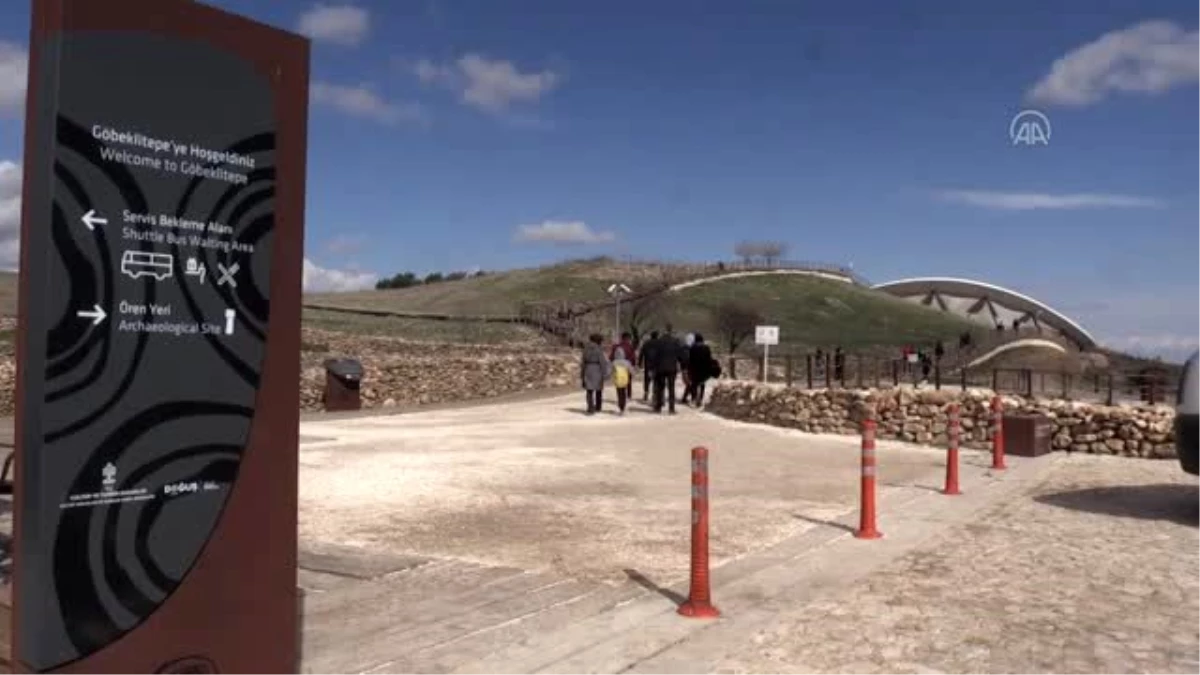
<point x="624" y="351"/>
<point x="622" y="374"/>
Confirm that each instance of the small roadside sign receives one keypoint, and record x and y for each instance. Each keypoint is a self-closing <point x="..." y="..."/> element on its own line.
<point x="766" y="335"/>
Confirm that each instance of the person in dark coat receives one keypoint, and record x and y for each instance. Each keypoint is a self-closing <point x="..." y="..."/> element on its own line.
<point x="685" y="353"/>
<point x="593" y="371"/>
<point x="667" y="356"/>
<point x="699" y="367"/>
<point x="645" y="361"/>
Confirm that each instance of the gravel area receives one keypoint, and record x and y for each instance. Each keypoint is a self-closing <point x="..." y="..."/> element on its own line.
<point x="1094" y="569"/>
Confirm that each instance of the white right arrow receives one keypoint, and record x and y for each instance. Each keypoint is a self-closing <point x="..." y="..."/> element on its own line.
<point x="92" y="220"/>
<point x="96" y="314"/>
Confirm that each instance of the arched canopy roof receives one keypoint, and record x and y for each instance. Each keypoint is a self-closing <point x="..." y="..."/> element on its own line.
<point x="999" y="295"/>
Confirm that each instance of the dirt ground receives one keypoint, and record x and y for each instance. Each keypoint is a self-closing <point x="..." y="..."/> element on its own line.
<point x="539" y="485"/>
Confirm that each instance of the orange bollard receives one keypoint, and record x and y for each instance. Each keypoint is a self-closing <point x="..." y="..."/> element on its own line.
<point x="866" y="525"/>
<point x="952" y="453"/>
<point x="699" y="603"/>
<point x="998" y="434"/>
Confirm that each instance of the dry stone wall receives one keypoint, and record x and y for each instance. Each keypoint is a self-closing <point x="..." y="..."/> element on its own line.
<point x="412" y="373"/>
<point x="402" y="372"/>
<point x="921" y="416"/>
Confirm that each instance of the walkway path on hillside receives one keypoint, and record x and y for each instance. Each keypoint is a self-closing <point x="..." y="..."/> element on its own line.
<point x="526" y="537"/>
<point x="758" y="273"/>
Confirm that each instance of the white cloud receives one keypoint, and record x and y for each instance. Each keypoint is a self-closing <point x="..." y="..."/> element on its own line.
<point x="14" y="68"/>
<point x="363" y="101"/>
<point x="562" y="233"/>
<point x="10" y="215"/>
<point x="1146" y="58"/>
<point x="490" y="85"/>
<point x="1028" y="201"/>
<point x="319" y="279"/>
<point x="345" y="25"/>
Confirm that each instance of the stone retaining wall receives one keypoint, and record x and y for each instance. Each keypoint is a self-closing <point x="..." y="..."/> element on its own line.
<point x="920" y="416"/>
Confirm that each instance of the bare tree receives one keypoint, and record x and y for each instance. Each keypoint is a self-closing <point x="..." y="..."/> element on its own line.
<point x="644" y="312"/>
<point x="773" y="251"/>
<point x="736" y="322"/>
<point x="747" y="251"/>
<point x="765" y="252"/>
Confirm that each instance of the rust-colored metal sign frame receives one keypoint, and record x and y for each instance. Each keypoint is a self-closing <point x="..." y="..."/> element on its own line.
<point x="158" y="349"/>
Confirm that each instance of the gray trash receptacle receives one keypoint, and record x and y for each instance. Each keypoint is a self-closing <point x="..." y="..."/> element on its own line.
<point x="343" y="382"/>
<point x="1187" y="417"/>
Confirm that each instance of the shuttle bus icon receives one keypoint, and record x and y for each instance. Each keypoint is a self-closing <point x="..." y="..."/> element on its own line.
<point x="135" y="264"/>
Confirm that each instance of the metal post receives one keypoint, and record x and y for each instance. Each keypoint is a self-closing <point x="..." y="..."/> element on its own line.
<point x="787" y="373"/>
<point x="617" y="325"/>
<point x="808" y="369"/>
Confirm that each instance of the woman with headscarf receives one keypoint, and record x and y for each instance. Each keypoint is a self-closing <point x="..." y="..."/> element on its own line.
<point x="685" y="358"/>
<point x="594" y="368"/>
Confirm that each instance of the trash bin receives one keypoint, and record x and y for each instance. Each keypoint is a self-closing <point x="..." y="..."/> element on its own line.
<point x="343" y="377"/>
<point x="1187" y="417"/>
<point x="1028" y="435"/>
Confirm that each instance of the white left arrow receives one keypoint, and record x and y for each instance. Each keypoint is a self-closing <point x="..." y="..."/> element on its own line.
<point x="92" y="220"/>
<point x="96" y="314"/>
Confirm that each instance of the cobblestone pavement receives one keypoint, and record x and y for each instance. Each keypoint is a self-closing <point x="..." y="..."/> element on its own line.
<point x="1094" y="569"/>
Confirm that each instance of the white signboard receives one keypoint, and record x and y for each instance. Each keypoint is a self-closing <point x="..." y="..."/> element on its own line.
<point x="766" y="335"/>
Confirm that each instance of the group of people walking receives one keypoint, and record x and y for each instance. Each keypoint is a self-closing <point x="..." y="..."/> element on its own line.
<point x="662" y="358"/>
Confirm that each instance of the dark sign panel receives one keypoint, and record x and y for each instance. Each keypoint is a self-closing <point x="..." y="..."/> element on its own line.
<point x="159" y="345"/>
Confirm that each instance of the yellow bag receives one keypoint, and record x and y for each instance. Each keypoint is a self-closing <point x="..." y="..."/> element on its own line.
<point x="620" y="376"/>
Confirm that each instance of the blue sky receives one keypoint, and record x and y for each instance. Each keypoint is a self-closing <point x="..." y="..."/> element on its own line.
<point x="462" y="134"/>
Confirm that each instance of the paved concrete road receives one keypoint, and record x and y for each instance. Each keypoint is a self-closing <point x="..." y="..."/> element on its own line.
<point x="537" y="485"/>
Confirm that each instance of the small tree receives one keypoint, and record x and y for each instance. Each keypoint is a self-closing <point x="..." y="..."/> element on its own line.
<point x="736" y="321"/>
<point x="747" y="251"/>
<point x="773" y="251"/>
<point x="433" y="277"/>
<point x="398" y="280"/>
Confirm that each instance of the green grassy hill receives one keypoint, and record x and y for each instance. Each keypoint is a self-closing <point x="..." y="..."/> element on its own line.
<point x="500" y="293"/>
<point x="814" y="312"/>
<point x="810" y="311"/>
